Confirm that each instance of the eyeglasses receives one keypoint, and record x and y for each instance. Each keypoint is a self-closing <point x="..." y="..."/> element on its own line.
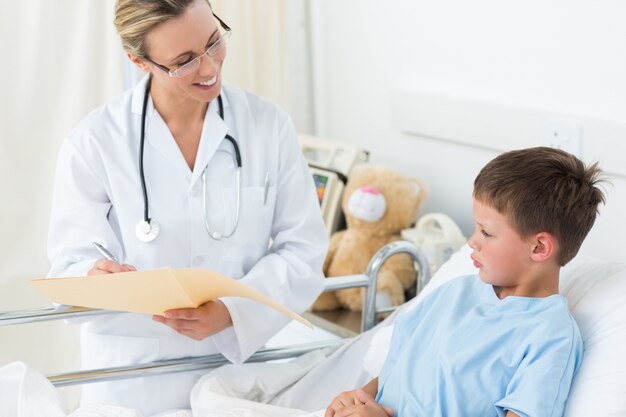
<point x="189" y="67"/>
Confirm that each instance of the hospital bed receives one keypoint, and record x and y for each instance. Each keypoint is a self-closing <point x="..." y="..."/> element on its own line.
<point x="596" y="292"/>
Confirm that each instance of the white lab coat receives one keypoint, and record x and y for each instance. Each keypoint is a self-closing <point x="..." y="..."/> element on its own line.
<point x="98" y="197"/>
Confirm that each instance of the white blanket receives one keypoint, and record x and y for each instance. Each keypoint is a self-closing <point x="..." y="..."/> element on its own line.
<point x="216" y="398"/>
<point x="26" y="393"/>
<point x="230" y="391"/>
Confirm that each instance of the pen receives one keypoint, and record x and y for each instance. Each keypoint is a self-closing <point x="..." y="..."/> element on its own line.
<point x="267" y="187"/>
<point x="107" y="255"/>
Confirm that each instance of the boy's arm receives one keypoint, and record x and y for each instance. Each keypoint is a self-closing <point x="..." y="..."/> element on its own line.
<point x="372" y="387"/>
<point x="510" y="413"/>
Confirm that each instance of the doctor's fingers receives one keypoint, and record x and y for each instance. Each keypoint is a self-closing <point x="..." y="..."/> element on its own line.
<point x="210" y="314"/>
<point x="190" y="328"/>
<point x="183" y="314"/>
<point x="198" y="323"/>
<point x="104" y="266"/>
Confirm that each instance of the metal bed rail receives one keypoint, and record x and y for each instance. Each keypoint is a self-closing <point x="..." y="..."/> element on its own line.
<point x="182" y="364"/>
<point x="368" y="320"/>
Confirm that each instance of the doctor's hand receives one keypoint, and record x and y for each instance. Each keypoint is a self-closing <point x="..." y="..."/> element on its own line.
<point x="357" y="403"/>
<point x="198" y="323"/>
<point x="104" y="266"/>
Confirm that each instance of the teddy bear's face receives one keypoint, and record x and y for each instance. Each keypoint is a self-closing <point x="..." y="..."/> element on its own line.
<point x="367" y="203"/>
<point x="381" y="200"/>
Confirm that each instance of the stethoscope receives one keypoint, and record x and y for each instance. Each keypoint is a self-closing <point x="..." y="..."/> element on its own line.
<point x="148" y="229"/>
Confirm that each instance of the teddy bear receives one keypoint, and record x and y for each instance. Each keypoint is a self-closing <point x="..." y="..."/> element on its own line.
<point x="378" y="203"/>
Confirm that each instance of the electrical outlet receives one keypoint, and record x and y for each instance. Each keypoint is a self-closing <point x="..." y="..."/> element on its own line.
<point x="563" y="134"/>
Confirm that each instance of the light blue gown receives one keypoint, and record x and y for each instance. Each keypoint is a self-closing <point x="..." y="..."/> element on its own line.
<point x="465" y="352"/>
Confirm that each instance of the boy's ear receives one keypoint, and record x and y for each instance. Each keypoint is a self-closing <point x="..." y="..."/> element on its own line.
<point x="544" y="247"/>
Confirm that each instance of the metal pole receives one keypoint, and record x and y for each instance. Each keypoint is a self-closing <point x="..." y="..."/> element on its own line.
<point x="368" y="318"/>
<point x="182" y="364"/>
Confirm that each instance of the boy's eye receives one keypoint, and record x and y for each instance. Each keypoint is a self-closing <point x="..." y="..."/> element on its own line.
<point x="482" y="231"/>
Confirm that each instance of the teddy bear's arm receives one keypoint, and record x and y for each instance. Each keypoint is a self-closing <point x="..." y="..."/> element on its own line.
<point x="328" y="300"/>
<point x="335" y="240"/>
<point x="401" y="266"/>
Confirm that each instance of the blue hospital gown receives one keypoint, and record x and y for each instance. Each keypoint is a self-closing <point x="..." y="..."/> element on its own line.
<point x="465" y="352"/>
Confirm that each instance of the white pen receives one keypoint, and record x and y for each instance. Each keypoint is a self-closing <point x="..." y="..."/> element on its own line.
<point x="267" y="187"/>
<point x="107" y="255"/>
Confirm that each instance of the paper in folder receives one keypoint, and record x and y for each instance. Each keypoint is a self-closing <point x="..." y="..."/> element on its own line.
<point x="153" y="291"/>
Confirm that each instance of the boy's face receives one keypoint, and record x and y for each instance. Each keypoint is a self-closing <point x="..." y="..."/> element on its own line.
<point x="500" y="254"/>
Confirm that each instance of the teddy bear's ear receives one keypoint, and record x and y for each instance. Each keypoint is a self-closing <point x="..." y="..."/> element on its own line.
<point x="420" y="188"/>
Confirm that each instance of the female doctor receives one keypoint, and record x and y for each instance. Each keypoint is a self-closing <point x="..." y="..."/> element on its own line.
<point x="184" y="171"/>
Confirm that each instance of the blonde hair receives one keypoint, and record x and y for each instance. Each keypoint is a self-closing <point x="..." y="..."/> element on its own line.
<point x="543" y="189"/>
<point x="135" y="18"/>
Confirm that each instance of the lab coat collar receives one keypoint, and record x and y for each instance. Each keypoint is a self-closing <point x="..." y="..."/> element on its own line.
<point x="213" y="133"/>
<point x="137" y="101"/>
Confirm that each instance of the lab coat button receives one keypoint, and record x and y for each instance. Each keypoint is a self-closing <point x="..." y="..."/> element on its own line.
<point x="198" y="260"/>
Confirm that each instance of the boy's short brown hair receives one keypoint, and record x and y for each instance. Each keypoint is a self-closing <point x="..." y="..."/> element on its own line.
<point x="543" y="190"/>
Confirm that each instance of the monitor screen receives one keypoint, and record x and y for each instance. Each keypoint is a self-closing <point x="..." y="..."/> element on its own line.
<point x="321" y="182"/>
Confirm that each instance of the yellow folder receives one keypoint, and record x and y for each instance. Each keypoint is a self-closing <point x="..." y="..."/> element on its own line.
<point x="152" y="291"/>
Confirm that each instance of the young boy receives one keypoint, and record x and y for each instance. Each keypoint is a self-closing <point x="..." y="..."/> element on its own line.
<point x="502" y="343"/>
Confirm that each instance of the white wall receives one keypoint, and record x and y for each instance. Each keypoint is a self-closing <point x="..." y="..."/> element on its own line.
<point x="61" y="59"/>
<point x="563" y="56"/>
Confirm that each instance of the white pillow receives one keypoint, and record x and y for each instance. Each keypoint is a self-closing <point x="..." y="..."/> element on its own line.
<point x="596" y="294"/>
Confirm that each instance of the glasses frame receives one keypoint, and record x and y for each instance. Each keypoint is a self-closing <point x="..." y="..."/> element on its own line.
<point x="212" y="50"/>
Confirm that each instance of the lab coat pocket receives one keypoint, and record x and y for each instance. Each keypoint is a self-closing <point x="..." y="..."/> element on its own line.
<point x="257" y="207"/>
<point x="252" y="237"/>
<point x="256" y="196"/>
<point x="105" y="350"/>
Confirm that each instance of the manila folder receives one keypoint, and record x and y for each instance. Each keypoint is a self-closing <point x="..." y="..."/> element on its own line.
<point x="153" y="291"/>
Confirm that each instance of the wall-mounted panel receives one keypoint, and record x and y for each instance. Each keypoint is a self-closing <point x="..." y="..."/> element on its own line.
<point x="502" y="126"/>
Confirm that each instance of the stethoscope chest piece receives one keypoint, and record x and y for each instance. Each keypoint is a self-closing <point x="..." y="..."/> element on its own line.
<point x="147" y="232"/>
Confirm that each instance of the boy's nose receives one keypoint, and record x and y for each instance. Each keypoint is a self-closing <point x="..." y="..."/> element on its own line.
<point x="472" y="241"/>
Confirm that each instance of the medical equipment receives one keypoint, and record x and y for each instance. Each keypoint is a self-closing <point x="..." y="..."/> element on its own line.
<point x="330" y="163"/>
<point x="438" y="236"/>
<point x="148" y="229"/>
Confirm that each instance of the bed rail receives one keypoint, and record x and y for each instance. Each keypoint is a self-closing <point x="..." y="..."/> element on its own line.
<point x="182" y="364"/>
<point x="368" y="320"/>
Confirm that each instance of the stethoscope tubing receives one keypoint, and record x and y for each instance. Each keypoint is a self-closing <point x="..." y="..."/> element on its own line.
<point x="142" y="175"/>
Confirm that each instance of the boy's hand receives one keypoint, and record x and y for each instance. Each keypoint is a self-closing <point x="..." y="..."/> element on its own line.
<point x="345" y="399"/>
<point x="356" y="403"/>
